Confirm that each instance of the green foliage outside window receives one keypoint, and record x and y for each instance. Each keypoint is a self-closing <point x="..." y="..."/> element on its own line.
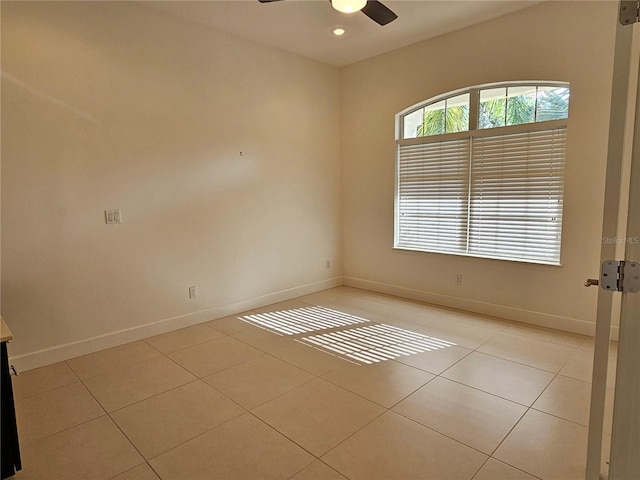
<point x="553" y="104"/>
<point x="444" y="120"/>
<point x="507" y="111"/>
<point x="511" y="106"/>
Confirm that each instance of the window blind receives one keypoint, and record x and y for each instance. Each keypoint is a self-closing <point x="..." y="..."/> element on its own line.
<point x="433" y="196"/>
<point x="516" y="196"/>
<point x="492" y="188"/>
<point x="493" y="196"/>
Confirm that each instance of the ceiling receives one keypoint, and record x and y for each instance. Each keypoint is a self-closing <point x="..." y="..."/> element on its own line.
<point x="303" y="26"/>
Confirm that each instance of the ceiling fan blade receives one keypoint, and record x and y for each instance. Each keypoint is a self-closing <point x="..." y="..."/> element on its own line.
<point x="377" y="12"/>
<point x="268" y="1"/>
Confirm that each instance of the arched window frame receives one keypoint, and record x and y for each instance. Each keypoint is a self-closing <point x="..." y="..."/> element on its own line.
<point x="450" y="200"/>
<point x="474" y="94"/>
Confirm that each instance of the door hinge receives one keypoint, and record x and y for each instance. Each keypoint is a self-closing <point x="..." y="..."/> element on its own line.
<point x="620" y="276"/>
<point x="629" y="12"/>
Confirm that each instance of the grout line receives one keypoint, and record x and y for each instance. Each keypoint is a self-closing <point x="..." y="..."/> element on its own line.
<point x="484" y="391"/>
<point x="322" y="462"/>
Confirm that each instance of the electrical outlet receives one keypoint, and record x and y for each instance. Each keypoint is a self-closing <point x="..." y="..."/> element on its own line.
<point x="327" y="264"/>
<point x="458" y="279"/>
<point x="112" y="216"/>
<point x="193" y="292"/>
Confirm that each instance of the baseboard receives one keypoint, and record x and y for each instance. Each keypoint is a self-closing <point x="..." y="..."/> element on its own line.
<point x="66" y="351"/>
<point x="540" y="319"/>
<point x="59" y="353"/>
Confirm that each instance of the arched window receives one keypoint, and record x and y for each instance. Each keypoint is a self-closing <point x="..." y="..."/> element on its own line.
<point x="480" y="172"/>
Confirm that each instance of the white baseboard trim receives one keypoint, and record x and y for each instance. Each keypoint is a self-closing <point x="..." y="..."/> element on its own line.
<point x="540" y="319"/>
<point x="59" y="353"/>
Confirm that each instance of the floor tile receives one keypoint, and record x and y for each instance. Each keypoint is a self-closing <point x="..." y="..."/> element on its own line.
<point x="394" y="447"/>
<point x="111" y="359"/>
<point x="383" y="312"/>
<point x="385" y="383"/>
<point x="477" y="419"/>
<point x="435" y="361"/>
<point x="503" y="378"/>
<point x="373" y="343"/>
<point x="323" y="297"/>
<point x="231" y="324"/>
<point x="534" y="353"/>
<point x="124" y="387"/>
<point x="366" y="304"/>
<point x="346" y="307"/>
<point x="429" y="311"/>
<point x="460" y="333"/>
<point x="262" y="339"/>
<point x="559" y="337"/>
<point x="282" y="306"/>
<point x="259" y="380"/>
<point x="304" y="320"/>
<point x="243" y="448"/>
<point x="183" y="338"/>
<point x="547" y="447"/>
<point x="94" y="450"/>
<point x="350" y="291"/>
<point x="318" y="415"/>
<point x="162" y="422"/>
<point x="42" y="415"/>
<point x="308" y="358"/>
<point x="40" y="380"/>
<point x="391" y="303"/>
<point x="476" y="319"/>
<point x="580" y="366"/>
<point x="214" y="356"/>
<point x="496" y="470"/>
<point x="400" y="322"/>
<point x="141" y="472"/>
<point x="566" y="398"/>
<point x="318" y="471"/>
<point x="394" y="309"/>
<point x="588" y="344"/>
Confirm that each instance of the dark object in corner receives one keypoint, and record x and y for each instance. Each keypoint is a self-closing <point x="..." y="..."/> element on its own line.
<point x="10" y="449"/>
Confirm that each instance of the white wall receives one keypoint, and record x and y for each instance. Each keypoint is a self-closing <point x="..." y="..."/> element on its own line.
<point x="566" y="41"/>
<point x="112" y="105"/>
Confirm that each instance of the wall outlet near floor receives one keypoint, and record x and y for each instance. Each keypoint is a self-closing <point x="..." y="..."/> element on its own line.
<point x="458" y="280"/>
<point x="193" y="292"/>
<point x="112" y="216"/>
<point x="327" y="264"/>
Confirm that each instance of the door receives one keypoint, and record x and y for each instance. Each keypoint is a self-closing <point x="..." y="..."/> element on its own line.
<point x="621" y="241"/>
<point x="625" y="446"/>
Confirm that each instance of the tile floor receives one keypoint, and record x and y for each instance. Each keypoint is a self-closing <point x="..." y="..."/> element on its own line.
<point x="356" y="385"/>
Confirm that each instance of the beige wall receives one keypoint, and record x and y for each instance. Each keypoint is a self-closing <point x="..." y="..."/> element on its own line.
<point x="553" y="41"/>
<point x="112" y="105"/>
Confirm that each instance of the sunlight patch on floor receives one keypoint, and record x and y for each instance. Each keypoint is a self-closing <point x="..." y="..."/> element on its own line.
<point x="302" y="320"/>
<point x="375" y="343"/>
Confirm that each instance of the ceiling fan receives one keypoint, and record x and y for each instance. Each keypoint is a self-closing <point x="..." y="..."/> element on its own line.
<point x="373" y="9"/>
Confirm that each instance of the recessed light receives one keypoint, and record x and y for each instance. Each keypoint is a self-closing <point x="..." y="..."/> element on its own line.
<point x="338" y="31"/>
